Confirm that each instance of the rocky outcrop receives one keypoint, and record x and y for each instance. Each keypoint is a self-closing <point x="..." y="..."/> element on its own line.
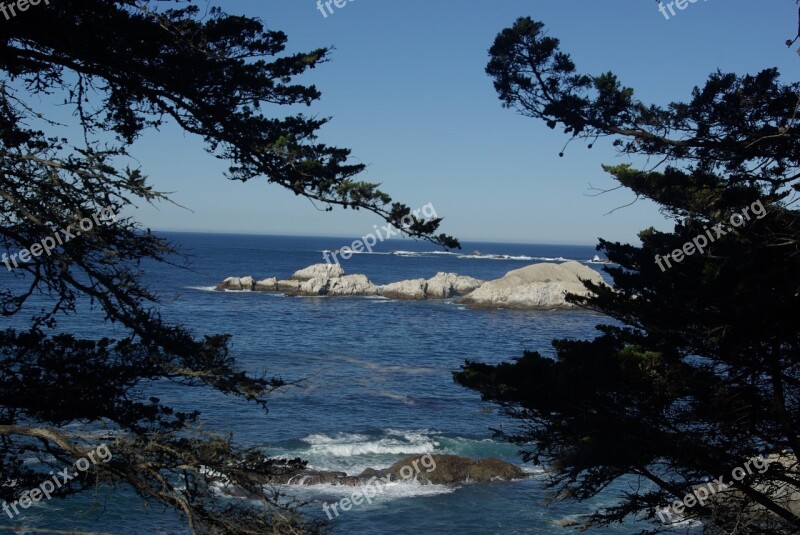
<point x="330" y="280"/>
<point x="267" y="285"/>
<point x="351" y="285"/>
<point x="538" y="286"/>
<point x="237" y="284"/>
<point x="410" y="289"/>
<point x="453" y="469"/>
<point x="291" y="287"/>
<point x="444" y="285"/>
<point x="726" y="500"/>
<point x="441" y="286"/>
<point x="443" y="470"/>
<point x="319" y="271"/>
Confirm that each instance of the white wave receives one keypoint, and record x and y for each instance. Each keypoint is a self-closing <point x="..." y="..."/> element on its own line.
<point x="321" y="438"/>
<point x="406" y="253"/>
<point x="535" y="469"/>
<point x="355" y="252"/>
<point x="353" y="453"/>
<point x="513" y="257"/>
<point x="352" y="445"/>
<point x="384" y="492"/>
<point x="675" y="520"/>
<point x="495" y="257"/>
<point x="202" y="288"/>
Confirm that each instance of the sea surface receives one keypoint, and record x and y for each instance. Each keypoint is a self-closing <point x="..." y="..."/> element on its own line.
<point x="375" y="383"/>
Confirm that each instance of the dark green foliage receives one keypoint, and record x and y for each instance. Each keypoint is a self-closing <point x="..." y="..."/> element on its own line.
<point x="701" y="372"/>
<point x="122" y="67"/>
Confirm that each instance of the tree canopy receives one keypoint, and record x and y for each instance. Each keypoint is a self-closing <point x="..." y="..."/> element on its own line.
<point x="123" y="68"/>
<point x="699" y="370"/>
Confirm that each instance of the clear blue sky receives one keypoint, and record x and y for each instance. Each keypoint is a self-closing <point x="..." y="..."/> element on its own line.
<point x="407" y="92"/>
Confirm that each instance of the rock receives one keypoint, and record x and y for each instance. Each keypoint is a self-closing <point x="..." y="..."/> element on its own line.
<point x="319" y="271"/>
<point x="465" y="285"/>
<point x="238" y="284"/>
<point x="538" y="286"/>
<point x="444" y="285"/>
<point x="452" y="469"/>
<point x="290" y="287"/>
<point x="728" y="500"/>
<point x="315" y="286"/>
<point x="267" y="285"/>
<point x="437" y="470"/>
<point x="410" y="289"/>
<point x="351" y="285"/>
<point x="569" y="522"/>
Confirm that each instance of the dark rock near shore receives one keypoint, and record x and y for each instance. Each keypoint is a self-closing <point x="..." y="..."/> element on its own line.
<point x="452" y="469"/>
<point x="433" y="469"/>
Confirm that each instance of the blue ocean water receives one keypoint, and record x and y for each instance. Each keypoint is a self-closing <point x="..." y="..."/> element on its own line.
<point x="376" y="382"/>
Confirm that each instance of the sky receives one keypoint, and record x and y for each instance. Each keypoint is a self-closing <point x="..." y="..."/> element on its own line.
<point x="406" y="91"/>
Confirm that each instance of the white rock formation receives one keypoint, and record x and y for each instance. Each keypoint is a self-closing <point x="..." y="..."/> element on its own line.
<point x="267" y="285"/>
<point x="414" y="289"/>
<point x="290" y="287"/>
<point x="444" y="285"/>
<point x="352" y="285"/>
<point x="319" y="271"/>
<point x="538" y="286"/>
<point x="237" y="284"/>
<point x="315" y="286"/>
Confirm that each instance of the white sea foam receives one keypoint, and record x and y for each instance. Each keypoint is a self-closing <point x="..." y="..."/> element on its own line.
<point x="513" y="257"/>
<point x="406" y="253"/>
<point x="351" y="445"/>
<point x="385" y="491"/>
<point x="202" y="288"/>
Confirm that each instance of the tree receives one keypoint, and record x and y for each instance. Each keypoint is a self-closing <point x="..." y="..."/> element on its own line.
<point x="124" y="67"/>
<point x="699" y="373"/>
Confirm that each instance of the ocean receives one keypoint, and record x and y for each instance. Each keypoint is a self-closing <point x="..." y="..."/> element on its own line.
<point x="375" y="383"/>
